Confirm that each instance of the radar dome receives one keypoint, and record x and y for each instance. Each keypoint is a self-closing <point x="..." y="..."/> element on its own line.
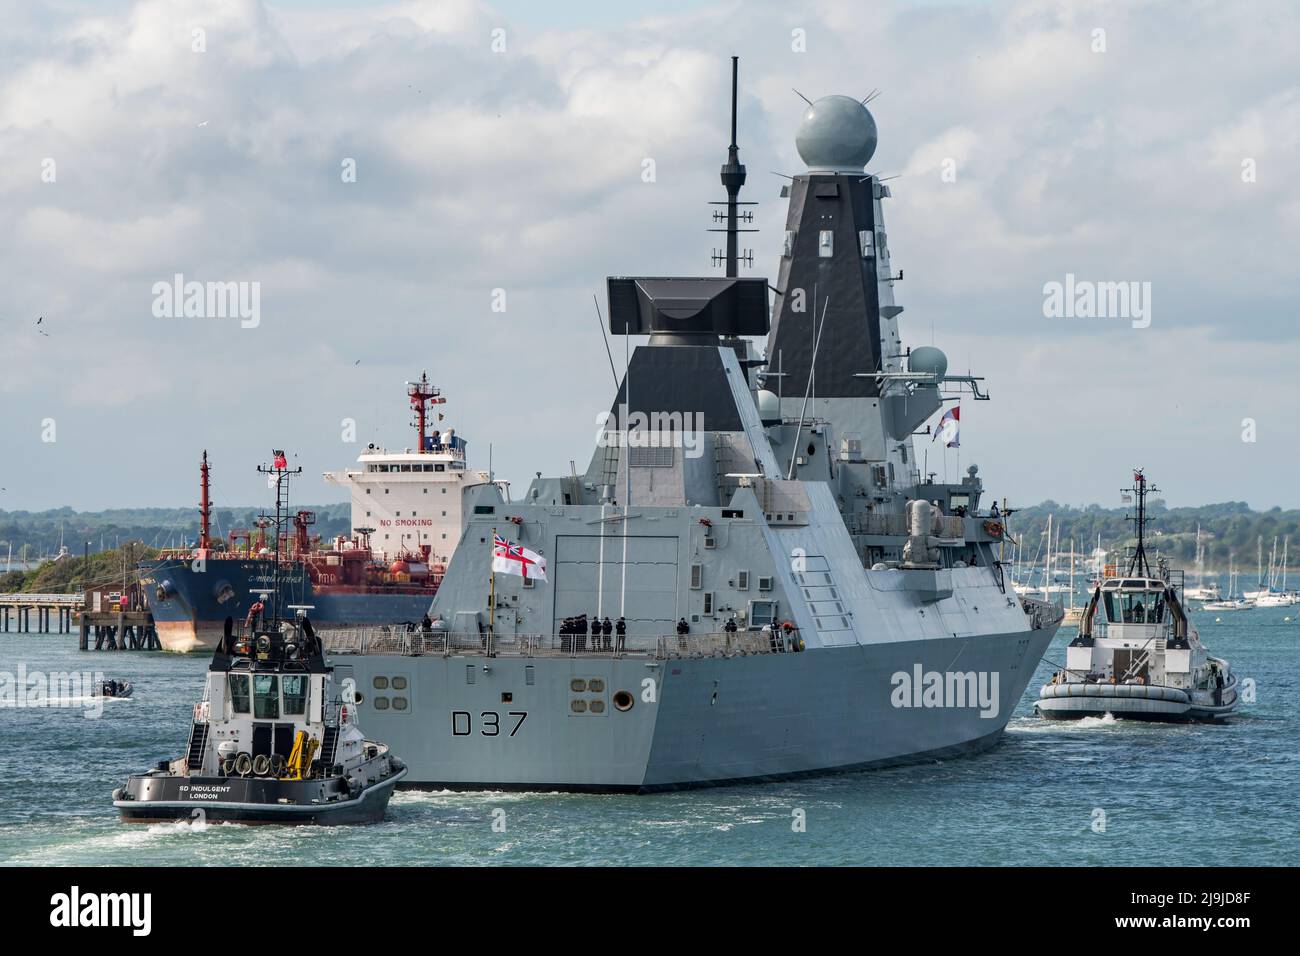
<point x="928" y="360"/>
<point x="837" y="134"/>
<point x="769" y="407"/>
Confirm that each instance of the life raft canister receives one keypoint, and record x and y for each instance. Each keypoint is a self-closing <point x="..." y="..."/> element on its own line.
<point x="993" y="527"/>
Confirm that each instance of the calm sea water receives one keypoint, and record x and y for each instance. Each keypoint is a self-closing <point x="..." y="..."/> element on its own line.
<point x="1171" y="794"/>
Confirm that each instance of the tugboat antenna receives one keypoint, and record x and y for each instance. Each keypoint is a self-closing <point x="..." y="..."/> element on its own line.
<point x="279" y="472"/>
<point x="1140" y="490"/>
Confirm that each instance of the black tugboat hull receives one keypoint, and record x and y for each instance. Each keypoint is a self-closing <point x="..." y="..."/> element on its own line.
<point x="165" y="798"/>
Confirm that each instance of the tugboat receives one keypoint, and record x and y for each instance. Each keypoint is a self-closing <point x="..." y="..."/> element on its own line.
<point x="1138" y="655"/>
<point x="273" y="739"/>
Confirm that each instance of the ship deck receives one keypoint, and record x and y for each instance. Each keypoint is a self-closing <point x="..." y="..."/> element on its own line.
<point x="418" y="643"/>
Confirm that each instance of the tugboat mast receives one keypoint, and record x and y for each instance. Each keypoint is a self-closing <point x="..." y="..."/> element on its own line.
<point x="281" y="472"/>
<point x="1138" y="563"/>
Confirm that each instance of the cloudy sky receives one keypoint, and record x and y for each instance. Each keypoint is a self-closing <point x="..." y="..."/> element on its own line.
<point x="128" y="156"/>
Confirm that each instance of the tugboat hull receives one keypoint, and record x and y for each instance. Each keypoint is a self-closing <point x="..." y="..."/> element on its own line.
<point x="1074" y="701"/>
<point x="162" y="798"/>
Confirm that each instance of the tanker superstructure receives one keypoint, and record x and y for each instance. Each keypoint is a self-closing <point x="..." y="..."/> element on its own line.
<point x="797" y="597"/>
<point x="407" y="518"/>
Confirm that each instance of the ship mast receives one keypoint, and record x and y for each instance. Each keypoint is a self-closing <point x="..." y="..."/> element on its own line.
<point x="279" y="473"/>
<point x="205" y="507"/>
<point x="422" y="395"/>
<point x="1138" y="563"/>
<point x="733" y="177"/>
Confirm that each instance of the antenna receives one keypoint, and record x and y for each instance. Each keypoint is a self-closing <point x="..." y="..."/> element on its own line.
<point x="600" y="320"/>
<point x="735" y="68"/>
<point x="733" y="177"/>
<point x="422" y="395"/>
<point x="1140" y="489"/>
<point x="802" y="97"/>
<point x="279" y="474"/>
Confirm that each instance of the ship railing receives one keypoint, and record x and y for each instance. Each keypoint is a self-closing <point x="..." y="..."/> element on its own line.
<point x="417" y="643"/>
<point x="1041" y="614"/>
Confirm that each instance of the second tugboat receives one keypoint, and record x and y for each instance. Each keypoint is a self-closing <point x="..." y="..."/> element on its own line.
<point x="1138" y="655"/>
<point x="273" y="740"/>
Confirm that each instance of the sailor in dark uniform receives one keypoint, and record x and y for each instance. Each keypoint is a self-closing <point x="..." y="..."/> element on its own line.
<point x="620" y="628"/>
<point x="606" y="629"/>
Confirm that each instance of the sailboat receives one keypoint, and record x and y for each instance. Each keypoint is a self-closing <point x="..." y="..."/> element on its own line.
<point x="1202" y="591"/>
<point x="1260" y="586"/>
<point x="1050" y="585"/>
<point x="1277" y="595"/>
<point x="1230" y="603"/>
<point x="1073" y="613"/>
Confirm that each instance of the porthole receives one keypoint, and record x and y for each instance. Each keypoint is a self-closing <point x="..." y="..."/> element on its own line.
<point x="577" y="685"/>
<point x="380" y="683"/>
<point x="578" y="706"/>
<point x="399" y="703"/>
<point x="381" y="703"/>
<point x="623" y="701"/>
<point x="597" y="706"/>
<point x="596" y="685"/>
<point x="399" y="683"/>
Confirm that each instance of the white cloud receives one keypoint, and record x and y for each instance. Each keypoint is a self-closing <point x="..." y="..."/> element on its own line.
<point x="522" y="170"/>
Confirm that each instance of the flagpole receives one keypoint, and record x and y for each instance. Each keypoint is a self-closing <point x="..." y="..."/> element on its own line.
<point x="492" y="592"/>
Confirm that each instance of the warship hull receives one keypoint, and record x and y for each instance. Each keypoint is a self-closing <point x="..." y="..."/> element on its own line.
<point x="476" y="722"/>
<point x="189" y="611"/>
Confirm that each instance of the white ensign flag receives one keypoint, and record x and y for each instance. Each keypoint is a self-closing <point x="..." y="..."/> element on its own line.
<point x="508" y="558"/>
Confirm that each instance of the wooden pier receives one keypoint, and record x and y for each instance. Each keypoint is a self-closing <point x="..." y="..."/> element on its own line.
<point x="54" y="612"/>
<point x="121" y="621"/>
<point x="117" y="624"/>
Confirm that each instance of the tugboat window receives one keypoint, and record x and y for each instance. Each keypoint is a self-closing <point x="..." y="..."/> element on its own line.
<point x="266" y="697"/>
<point x="295" y="694"/>
<point x="239" y="693"/>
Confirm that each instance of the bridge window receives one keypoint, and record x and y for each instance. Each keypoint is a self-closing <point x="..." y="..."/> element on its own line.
<point x="294" y="687"/>
<point x="266" y="696"/>
<point x="239" y="693"/>
<point x="1134" y="607"/>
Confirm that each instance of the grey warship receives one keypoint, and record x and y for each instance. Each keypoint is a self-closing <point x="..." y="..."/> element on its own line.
<point x="793" y="595"/>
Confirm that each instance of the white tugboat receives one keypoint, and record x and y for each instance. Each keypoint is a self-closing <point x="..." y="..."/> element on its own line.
<point x="1138" y="655"/>
<point x="273" y="740"/>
